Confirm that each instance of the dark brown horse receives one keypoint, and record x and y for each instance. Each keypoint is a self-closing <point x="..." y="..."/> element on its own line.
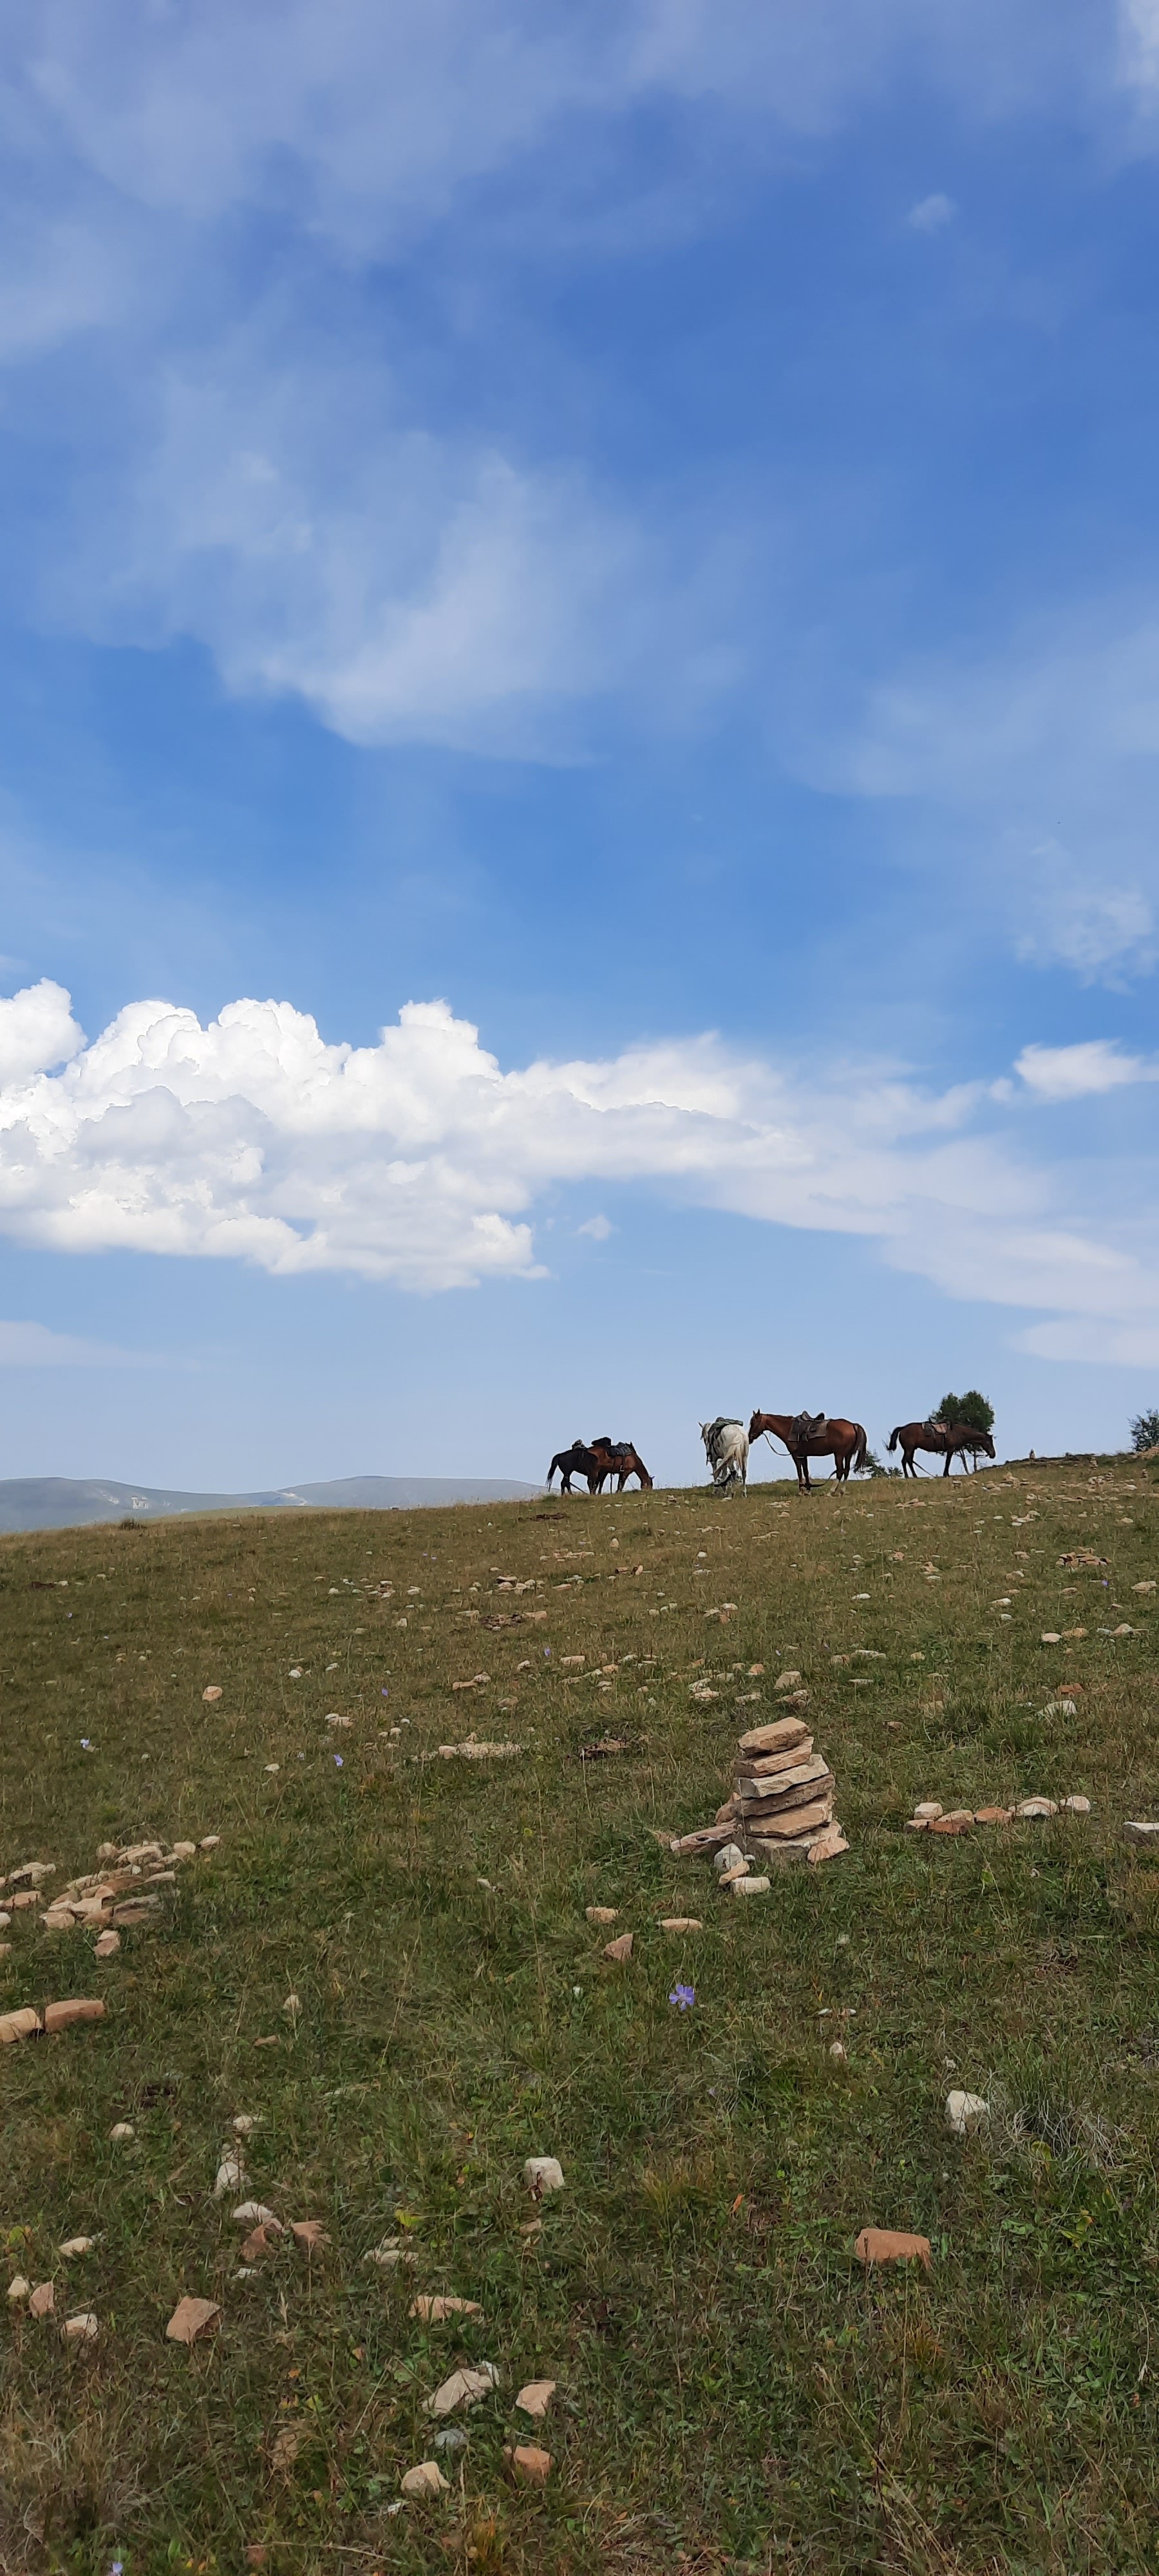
<point x="949" y="1439"/>
<point x="579" y="1460"/>
<point x="844" y="1442"/>
<point x="621" y="1459"/>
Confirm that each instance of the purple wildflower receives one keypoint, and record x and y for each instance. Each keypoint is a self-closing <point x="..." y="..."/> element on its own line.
<point x="685" y="1996"/>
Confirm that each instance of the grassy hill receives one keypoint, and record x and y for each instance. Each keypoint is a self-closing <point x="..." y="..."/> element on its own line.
<point x="733" y="2390"/>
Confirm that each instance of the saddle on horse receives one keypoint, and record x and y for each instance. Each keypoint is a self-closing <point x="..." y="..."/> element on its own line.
<point x="806" y="1426"/>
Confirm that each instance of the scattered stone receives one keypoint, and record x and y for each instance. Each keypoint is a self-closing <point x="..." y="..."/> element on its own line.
<point x="191" y="2318"/>
<point x="603" y="1913"/>
<point x="76" y="2245"/>
<point x="528" y="2464"/>
<point x="748" y="1886"/>
<point x="965" y="2112"/>
<point x="464" y="2388"/>
<point x="213" y="1692"/>
<point x="1037" y="1808"/>
<point x="425" y="2483"/>
<point x="619" y="1949"/>
<point x="22" y="2024"/>
<point x="680" y="1923"/>
<point x="308" y="2232"/>
<point x="1052" y="1637"/>
<point x="78" y="2008"/>
<point x="81" y="2329"/>
<point x="260" y="2241"/>
<point x="786" y="1681"/>
<point x="928" y="1810"/>
<point x="389" y="2254"/>
<point x="435" y="2311"/>
<point x="893" y="2245"/>
<point x="731" y="1857"/>
<point x="121" y="2130"/>
<point x="108" y="1945"/>
<point x="535" y="2398"/>
<point x="230" y="2176"/>
<point x="993" y="1815"/>
<point x="544" y="2173"/>
<point x="18" y="2288"/>
<point x="41" y="2300"/>
<point x="253" y="2213"/>
<point x="838" y="2052"/>
<point x="243" y="2122"/>
<point x="1076" y="1806"/>
<point x="1135" y="1831"/>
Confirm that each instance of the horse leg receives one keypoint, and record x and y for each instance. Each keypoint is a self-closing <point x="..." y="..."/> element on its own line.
<point x="949" y="1462"/>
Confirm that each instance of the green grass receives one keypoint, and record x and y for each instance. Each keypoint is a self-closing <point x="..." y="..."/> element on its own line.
<point x="732" y="2389"/>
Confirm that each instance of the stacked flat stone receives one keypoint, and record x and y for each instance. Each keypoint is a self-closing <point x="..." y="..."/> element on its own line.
<point x="781" y="1806"/>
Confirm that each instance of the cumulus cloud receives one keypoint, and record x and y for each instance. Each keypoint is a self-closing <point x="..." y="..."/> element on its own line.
<point x="419" y="1160"/>
<point x="931" y="214"/>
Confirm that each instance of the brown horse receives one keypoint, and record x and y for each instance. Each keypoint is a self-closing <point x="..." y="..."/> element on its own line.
<point x="951" y="1439"/>
<point x="621" y="1459"/>
<point x="844" y="1442"/>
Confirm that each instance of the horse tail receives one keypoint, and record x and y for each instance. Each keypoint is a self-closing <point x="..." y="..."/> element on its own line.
<point x="860" y="1446"/>
<point x="551" y="1471"/>
<point x="894" y="1437"/>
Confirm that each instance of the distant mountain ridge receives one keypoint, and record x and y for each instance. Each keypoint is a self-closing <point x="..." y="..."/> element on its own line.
<point x="68" y="1502"/>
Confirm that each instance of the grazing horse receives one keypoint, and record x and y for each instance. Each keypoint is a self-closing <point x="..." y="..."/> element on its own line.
<point x="844" y="1442"/>
<point x="579" y="1460"/>
<point x="727" y="1451"/>
<point x="952" y="1439"/>
<point x="621" y="1459"/>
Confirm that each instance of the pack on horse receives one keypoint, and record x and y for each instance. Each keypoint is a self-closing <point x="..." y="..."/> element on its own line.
<point x="579" y="1460"/>
<point x="727" y="1451"/>
<point x="621" y="1459"/>
<point x="953" y="1439"/>
<point x="815" y="1435"/>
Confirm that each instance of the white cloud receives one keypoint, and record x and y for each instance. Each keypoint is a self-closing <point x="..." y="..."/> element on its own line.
<point x="931" y="214"/>
<point x="1074" y="1072"/>
<point x="407" y="587"/>
<point x="599" y="1228"/>
<point x="419" y="1160"/>
<point x="37" y="1030"/>
<point x="362" y="121"/>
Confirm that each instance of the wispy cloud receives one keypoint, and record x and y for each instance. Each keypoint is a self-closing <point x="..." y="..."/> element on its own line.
<point x="931" y="214"/>
<point x="34" y="1346"/>
<point x="420" y="1161"/>
<point x="1093" y="1067"/>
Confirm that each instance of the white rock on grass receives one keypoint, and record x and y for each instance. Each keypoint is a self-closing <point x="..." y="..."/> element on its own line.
<point x="464" y="2388"/>
<point x="1037" y="1808"/>
<point x="230" y="2176"/>
<point x="751" y="1886"/>
<point x="424" y="2482"/>
<point x="81" y="2329"/>
<point x="729" y="1858"/>
<point x="965" y="2112"/>
<point x="542" y="2174"/>
<point x="1138" y="1831"/>
<point x="121" y="2130"/>
<point x="1076" y="1806"/>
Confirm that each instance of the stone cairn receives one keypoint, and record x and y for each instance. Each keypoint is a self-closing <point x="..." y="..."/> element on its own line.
<point x="780" y="1811"/>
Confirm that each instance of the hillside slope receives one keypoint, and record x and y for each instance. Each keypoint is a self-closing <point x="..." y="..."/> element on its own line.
<point x="385" y="1966"/>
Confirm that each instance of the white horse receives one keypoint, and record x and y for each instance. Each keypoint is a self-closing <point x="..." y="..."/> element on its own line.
<point x="726" y="1447"/>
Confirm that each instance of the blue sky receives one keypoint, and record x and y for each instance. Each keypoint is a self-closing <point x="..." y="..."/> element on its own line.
<point x="628" y="538"/>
